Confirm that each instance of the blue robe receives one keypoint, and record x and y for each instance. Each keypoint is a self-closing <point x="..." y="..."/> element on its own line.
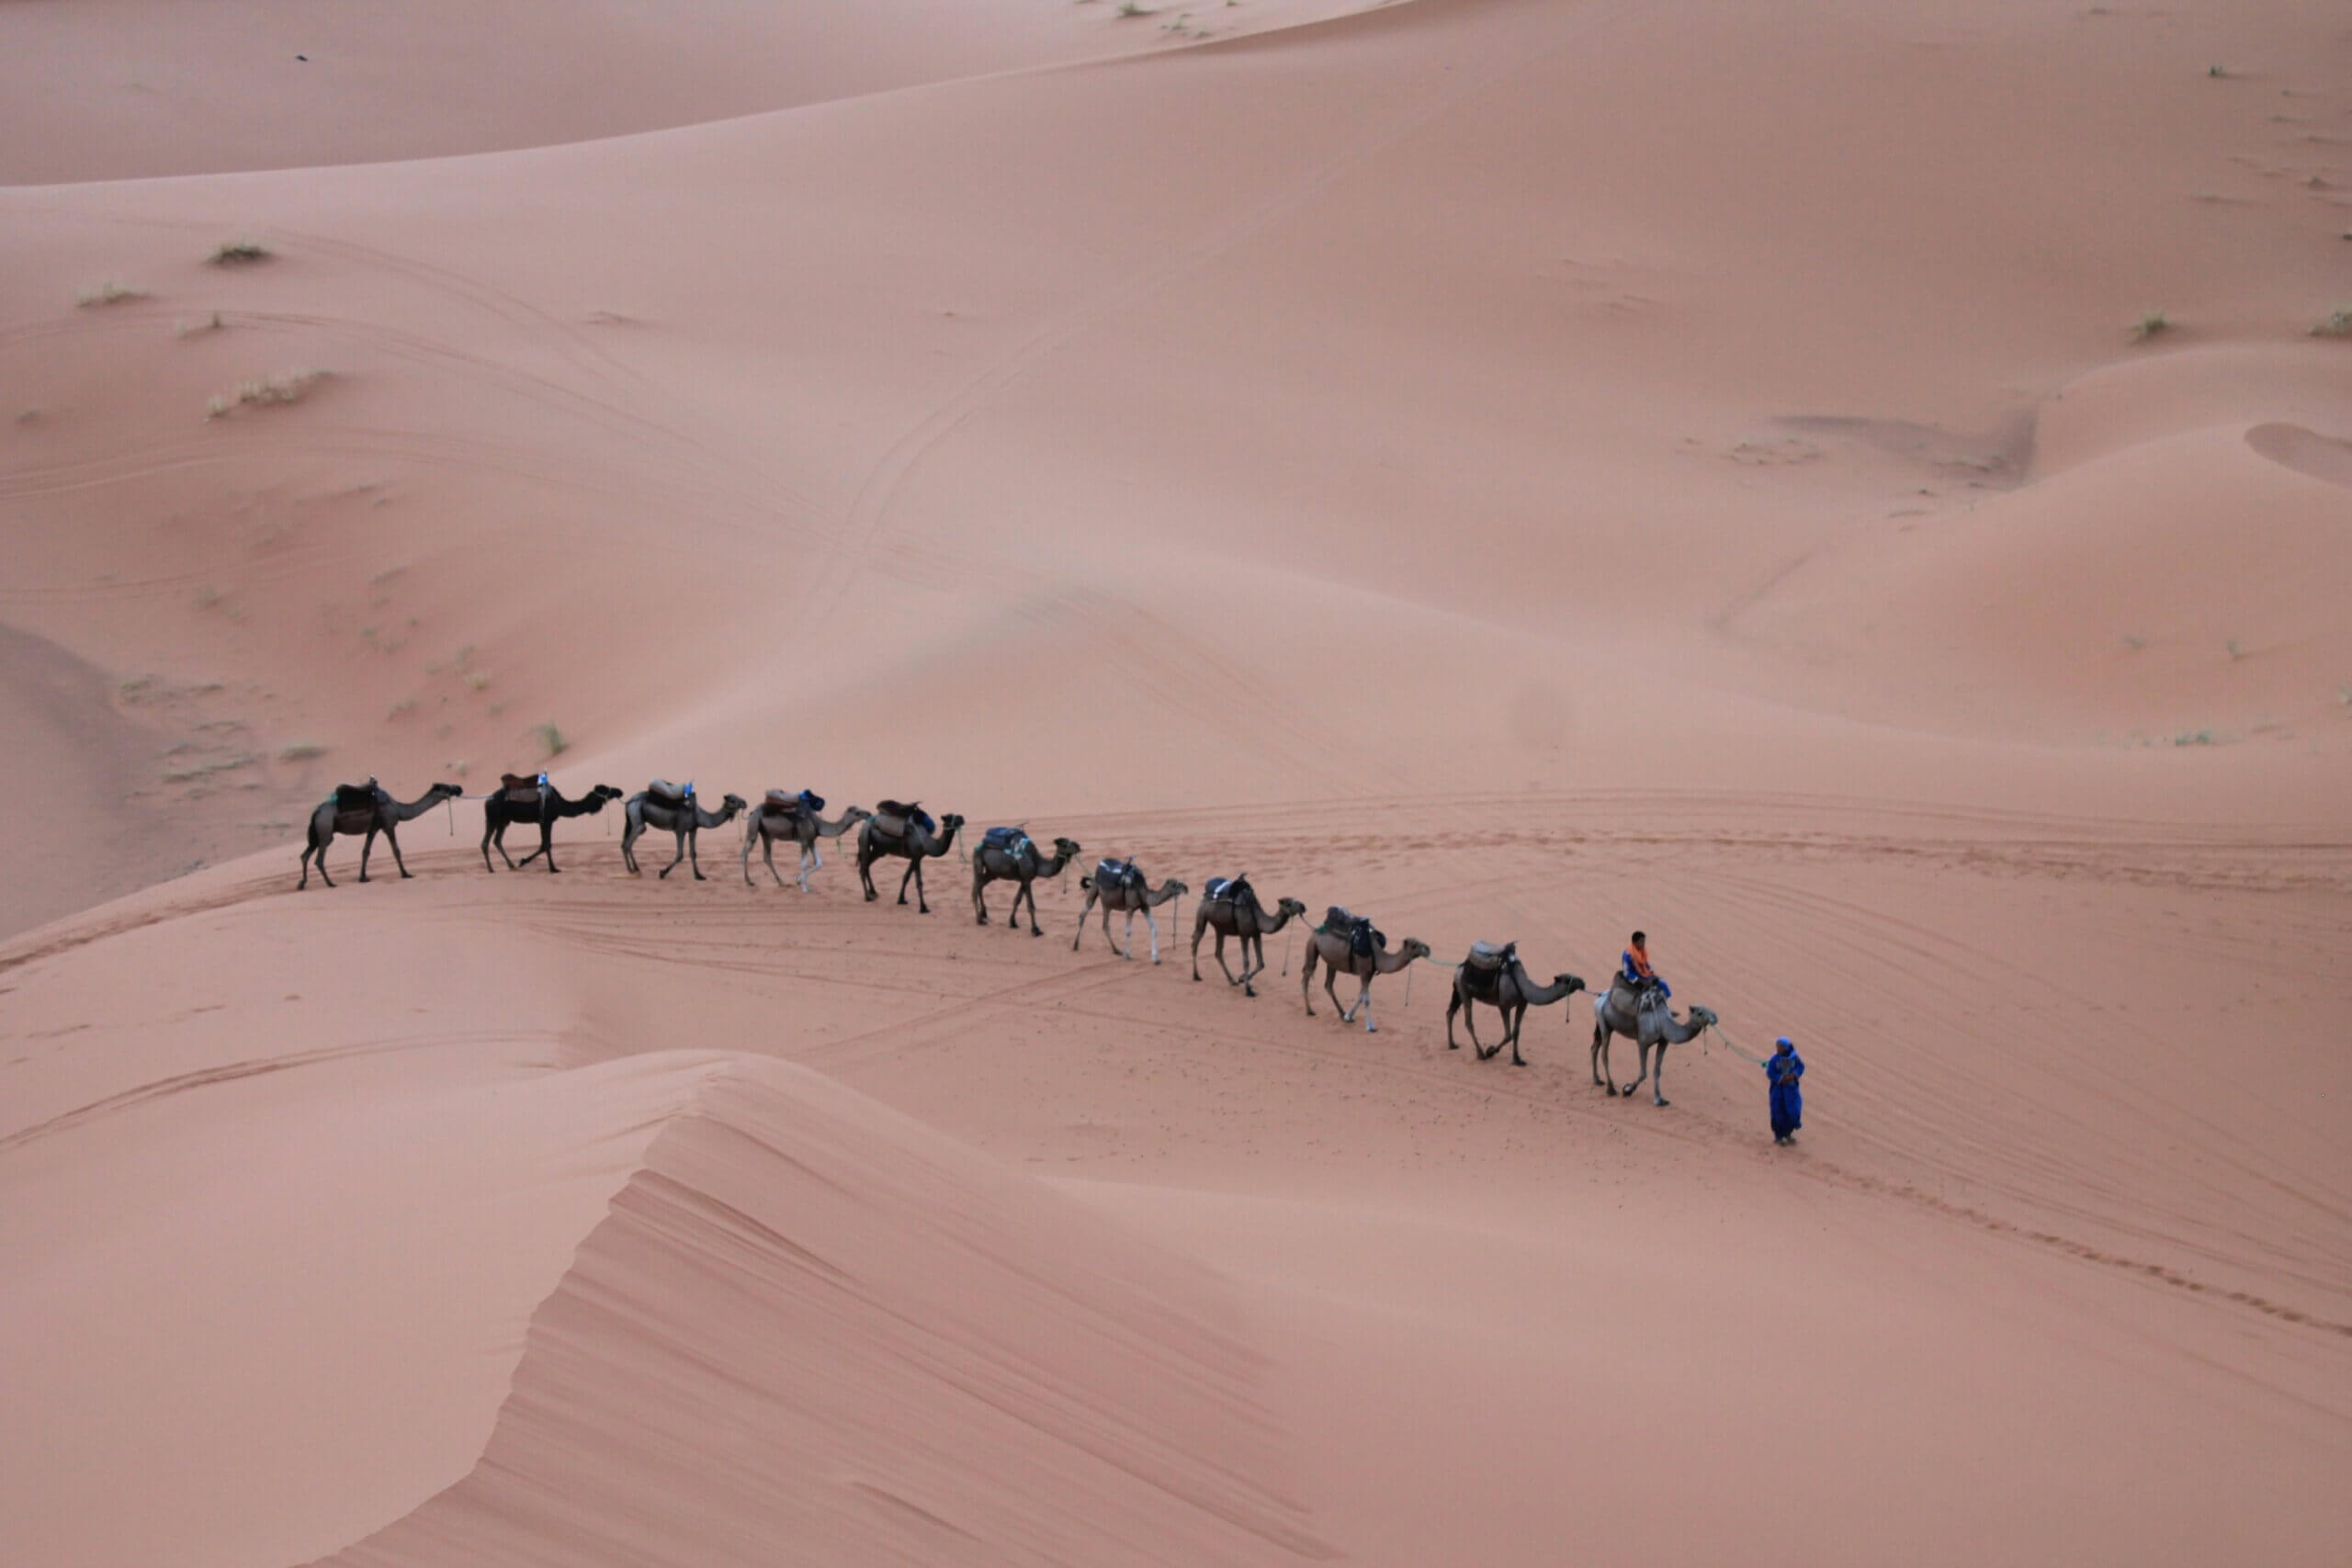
<point x="1788" y="1103"/>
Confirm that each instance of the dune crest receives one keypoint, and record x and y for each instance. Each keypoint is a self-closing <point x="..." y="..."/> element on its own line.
<point x="918" y="1356"/>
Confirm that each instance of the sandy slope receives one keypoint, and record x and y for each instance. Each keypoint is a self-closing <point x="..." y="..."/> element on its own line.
<point x="1522" y="468"/>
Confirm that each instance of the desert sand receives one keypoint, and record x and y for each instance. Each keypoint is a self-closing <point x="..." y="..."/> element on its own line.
<point x="1851" y="489"/>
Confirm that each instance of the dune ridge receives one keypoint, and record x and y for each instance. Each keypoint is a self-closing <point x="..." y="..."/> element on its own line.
<point x="820" y="1270"/>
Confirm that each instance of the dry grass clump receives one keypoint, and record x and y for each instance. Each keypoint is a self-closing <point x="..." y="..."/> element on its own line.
<point x="2153" y="324"/>
<point x="268" y="391"/>
<point x="2335" y="323"/>
<point x="238" y="252"/>
<point x="554" y="740"/>
<point x="109" y="293"/>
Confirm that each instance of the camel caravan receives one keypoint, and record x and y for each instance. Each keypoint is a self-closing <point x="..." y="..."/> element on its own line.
<point x="1635" y="1006"/>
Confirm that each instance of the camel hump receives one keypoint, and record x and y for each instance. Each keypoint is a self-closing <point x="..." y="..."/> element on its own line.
<point x="902" y="809"/>
<point x="358" y="797"/>
<point x="669" y="794"/>
<point x="1009" y="840"/>
<point x="1113" y="873"/>
<point x="1230" y="890"/>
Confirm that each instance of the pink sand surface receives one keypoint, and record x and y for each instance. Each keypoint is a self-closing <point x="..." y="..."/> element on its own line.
<point x="1523" y="468"/>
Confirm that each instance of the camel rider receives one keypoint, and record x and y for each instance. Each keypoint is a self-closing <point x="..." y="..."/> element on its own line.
<point x="1638" y="973"/>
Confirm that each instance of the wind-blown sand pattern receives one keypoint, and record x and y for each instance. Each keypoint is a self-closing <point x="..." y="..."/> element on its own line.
<point x="1521" y="470"/>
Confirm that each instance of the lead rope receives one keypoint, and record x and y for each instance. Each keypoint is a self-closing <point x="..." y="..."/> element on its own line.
<point x="1287" y="930"/>
<point x="1408" y="985"/>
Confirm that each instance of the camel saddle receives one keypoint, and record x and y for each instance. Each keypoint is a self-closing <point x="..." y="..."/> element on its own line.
<point x="791" y="802"/>
<point x="1112" y="874"/>
<point x="1362" y="938"/>
<point x="1492" y="958"/>
<point x="891" y="817"/>
<point x="523" y="789"/>
<point x="355" y="805"/>
<point x="664" y="793"/>
<point x="1230" y="890"/>
<point x="1014" y="841"/>
<point x="1645" y="995"/>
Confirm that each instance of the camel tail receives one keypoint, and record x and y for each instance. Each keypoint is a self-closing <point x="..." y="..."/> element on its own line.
<point x="1086" y="882"/>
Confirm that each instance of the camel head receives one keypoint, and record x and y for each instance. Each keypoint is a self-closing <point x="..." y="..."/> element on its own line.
<point x="1290" y="907"/>
<point x="1066" y="848"/>
<point x="949" y="821"/>
<point x="1703" y="1017"/>
<point x="446" y="791"/>
<point x="604" y="793"/>
<point x="733" y="802"/>
<point x="1414" y="947"/>
<point x="1179" y="886"/>
<point x="856" y="814"/>
<point x="1573" y="982"/>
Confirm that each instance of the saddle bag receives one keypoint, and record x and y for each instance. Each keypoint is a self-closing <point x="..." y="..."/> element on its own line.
<point x="664" y="793"/>
<point x="523" y="789"/>
<point x="1230" y="890"/>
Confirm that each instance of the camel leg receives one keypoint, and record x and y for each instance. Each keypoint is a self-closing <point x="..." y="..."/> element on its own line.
<point x="317" y="853"/>
<point x="1453" y="1005"/>
<point x="1363" y="1003"/>
<point x="1306" y="977"/>
<point x="681" y="854"/>
<point x="1085" y="909"/>
<point x="694" y="853"/>
<point x="1199" y="924"/>
<point x="1243" y="981"/>
<point x="865" y="873"/>
<point x="1600" y="1058"/>
<point x="1253" y="961"/>
<point x="546" y="845"/>
<point x="1030" y="888"/>
<point x="914" y="874"/>
<point x="1643" y="1050"/>
<point x="391" y="837"/>
<point x="1658" y="1079"/>
<point x="767" y="858"/>
<point x="1516" y="1021"/>
<point x="1330" y="979"/>
<point x="366" y="847"/>
<point x="1127" y="945"/>
<point x="1152" y="926"/>
<point x="488" y="832"/>
<point x="801" y="870"/>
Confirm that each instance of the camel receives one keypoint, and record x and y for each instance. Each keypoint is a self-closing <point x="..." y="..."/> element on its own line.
<point x="1507" y="988"/>
<point x="1618" y="1011"/>
<point x="1119" y="886"/>
<point x="364" y="808"/>
<point x="802" y="825"/>
<point x="673" y="810"/>
<point x="1231" y="909"/>
<point x="1018" y="860"/>
<point x="1333" y="943"/>
<point x="522" y="799"/>
<point x="906" y="832"/>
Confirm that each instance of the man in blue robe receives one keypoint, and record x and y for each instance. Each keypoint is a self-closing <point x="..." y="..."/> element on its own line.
<point x="1788" y="1103"/>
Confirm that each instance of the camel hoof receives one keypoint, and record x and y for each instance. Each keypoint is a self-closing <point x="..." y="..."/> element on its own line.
<point x="1661" y="1104"/>
<point x="404" y="875"/>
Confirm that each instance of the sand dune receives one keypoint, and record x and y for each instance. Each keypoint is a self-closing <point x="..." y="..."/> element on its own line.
<point x="1523" y="469"/>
